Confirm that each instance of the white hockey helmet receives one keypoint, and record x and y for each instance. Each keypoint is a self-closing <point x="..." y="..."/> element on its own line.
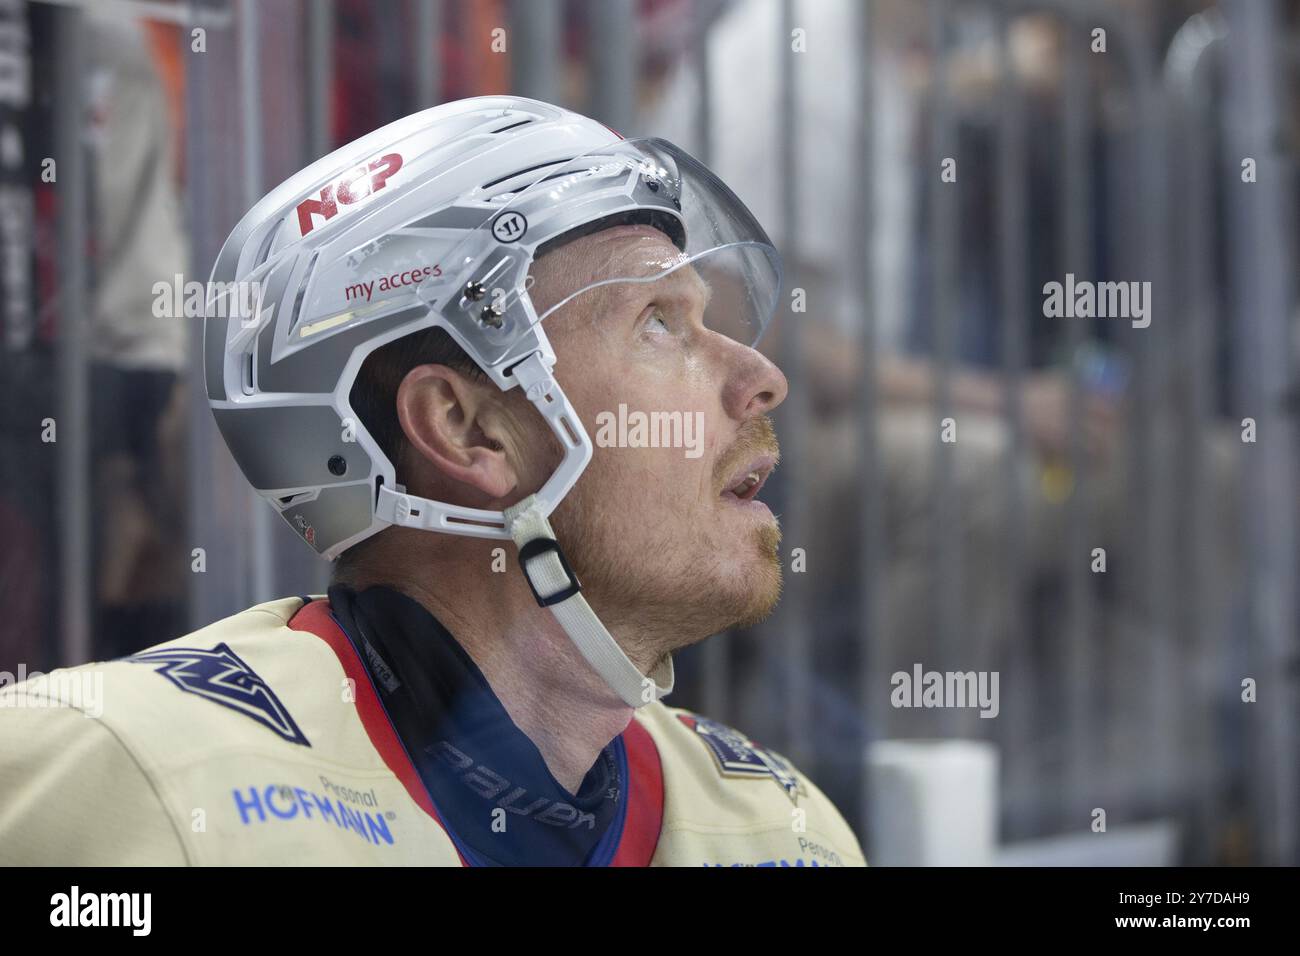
<point x="434" y="221"/>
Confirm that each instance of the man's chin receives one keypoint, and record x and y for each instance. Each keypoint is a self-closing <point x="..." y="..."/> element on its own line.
<point x="760" y="597"/>
<point x="756" y="615"/>
<point x="735" y="593"/>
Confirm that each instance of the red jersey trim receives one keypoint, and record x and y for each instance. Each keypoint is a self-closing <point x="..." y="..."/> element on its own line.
<point x="314" y="618"/>
<point x="645" y="806"/>
<point x="645" y="799"/>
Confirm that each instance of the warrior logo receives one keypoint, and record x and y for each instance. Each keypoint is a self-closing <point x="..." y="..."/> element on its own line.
<point x="220" y="676"/>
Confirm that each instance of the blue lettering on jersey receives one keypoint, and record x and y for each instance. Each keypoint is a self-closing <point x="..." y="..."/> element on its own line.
<point x="220" y="676"/>
<point x="738" y="756"/>
<point x="798" y="862"/>
<point x="279" y="802"/>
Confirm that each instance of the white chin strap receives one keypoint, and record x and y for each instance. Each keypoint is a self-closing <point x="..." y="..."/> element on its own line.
<point x="555" y="586"/>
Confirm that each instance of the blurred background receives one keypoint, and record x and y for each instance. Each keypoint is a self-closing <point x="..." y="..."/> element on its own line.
<point x="1113" y="531"/>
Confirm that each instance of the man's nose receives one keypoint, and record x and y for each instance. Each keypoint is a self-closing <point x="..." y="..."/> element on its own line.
<point x="754" y="386"/>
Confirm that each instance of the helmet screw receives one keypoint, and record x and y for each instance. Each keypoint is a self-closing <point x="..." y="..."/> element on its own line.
<point x="475" y="290"/>
<point x="491" y="316"/>
<point x="337" y="465"/>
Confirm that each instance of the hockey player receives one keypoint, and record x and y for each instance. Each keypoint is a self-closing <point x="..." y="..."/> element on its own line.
<point x="443" y="313"/>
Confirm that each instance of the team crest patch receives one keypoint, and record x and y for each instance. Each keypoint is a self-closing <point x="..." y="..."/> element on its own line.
<point x="738" y="756"/>
<point x="219" y="675"/>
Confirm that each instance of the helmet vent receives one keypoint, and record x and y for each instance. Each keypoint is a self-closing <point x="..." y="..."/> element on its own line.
<point x="302" y="292"/>
<point x="248" y="384"/>
<point x="265" y="249"/>
<point x="521" y="172"/>
<point x="504" y="129"/>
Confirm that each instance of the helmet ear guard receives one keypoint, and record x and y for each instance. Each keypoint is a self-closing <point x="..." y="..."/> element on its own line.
<point x="534" y="376"/>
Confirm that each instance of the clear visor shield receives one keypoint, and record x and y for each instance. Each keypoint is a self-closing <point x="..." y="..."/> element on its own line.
<point x="635" y="226"/>
<point x="730" y="290"/>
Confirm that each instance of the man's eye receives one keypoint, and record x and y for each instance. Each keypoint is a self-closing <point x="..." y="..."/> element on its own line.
<point x="657" y="316"/>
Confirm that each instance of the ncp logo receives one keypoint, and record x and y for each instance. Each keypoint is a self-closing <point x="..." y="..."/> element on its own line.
<point x="353" y="186"/>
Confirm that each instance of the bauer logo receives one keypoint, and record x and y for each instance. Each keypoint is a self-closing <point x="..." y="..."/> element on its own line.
<point x="277" y="803"/>
<point x="355" y="185"/>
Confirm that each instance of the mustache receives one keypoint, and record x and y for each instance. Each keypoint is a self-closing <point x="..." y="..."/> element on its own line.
<point x="757" y="437"/>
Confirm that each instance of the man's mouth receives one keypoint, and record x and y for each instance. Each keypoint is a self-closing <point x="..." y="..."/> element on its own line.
<point x="745" y="483"/>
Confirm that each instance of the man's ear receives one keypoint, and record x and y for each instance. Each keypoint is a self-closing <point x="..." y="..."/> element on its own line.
<point x="451" y="421"/>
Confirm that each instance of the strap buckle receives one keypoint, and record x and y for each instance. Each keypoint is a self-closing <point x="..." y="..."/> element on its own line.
<point x="540" y="546"/>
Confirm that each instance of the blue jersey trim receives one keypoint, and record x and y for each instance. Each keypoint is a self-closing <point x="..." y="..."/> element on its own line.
<point x="608" y="846"/>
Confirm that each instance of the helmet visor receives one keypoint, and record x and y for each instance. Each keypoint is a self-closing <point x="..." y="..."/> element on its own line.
<point x="730" y="289"/>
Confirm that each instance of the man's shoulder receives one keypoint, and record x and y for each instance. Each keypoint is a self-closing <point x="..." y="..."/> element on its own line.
<point x="245" y="681"/>
<point x="88" y="754"/>
<point x="731" y="800"/>
<point x="235" y="661"/>
<point x="237" y="743"/>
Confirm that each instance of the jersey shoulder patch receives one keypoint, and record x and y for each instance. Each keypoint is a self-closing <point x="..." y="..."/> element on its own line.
<point x="219" y="675"/>
<point x="729" y="800"/>
<point x="735" y="755"/>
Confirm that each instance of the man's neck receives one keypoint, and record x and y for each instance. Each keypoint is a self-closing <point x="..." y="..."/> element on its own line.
<point x="549" y="690"/>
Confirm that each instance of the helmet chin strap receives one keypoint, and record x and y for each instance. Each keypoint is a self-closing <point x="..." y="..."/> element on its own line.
<point x="555" y="586"/>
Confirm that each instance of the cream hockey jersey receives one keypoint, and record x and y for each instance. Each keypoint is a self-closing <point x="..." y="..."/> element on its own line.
<point x="265" y="739"/>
